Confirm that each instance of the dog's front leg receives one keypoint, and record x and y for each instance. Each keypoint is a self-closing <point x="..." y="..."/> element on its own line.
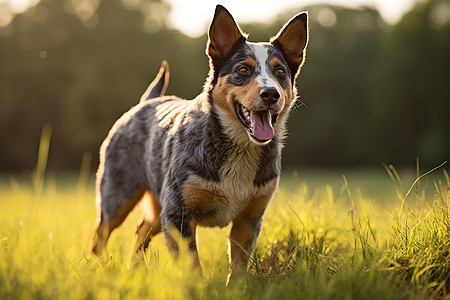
<point x="245" y="230"/>
<point x="188" y="232"/>
<point x="243" y="235"/>
<point x="192" y="244"/>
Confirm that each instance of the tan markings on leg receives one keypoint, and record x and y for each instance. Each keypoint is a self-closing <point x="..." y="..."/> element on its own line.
<point x="150" y="224"/>
<point x="243" y="232"/>
<point x="126" y="208"/>
<point x="145" y="231"/>
<point x="99" y="238"/>
<point x="105" y="227"/>
<point x="240" y="236"/>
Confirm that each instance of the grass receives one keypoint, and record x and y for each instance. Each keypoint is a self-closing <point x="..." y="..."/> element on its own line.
<point x="382" y="238"/>
<point x="325" y="243"/>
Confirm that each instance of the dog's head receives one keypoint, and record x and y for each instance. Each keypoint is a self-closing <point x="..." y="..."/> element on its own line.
<point x="253" y="84"/>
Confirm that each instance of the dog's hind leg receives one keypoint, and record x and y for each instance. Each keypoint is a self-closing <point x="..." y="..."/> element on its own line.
<point x="150" y="224"/>
<point x="113" y="208"/>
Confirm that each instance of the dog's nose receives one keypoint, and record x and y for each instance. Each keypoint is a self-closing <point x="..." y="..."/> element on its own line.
<point x="270" y="95"/>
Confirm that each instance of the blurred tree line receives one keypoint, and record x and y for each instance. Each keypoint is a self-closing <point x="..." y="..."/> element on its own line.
<point x="373" y="92"/>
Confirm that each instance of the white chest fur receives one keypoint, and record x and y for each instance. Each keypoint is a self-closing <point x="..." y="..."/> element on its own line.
<point x="231" y="195"/>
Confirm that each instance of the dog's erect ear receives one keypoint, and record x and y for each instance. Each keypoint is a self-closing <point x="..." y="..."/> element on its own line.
<point x="223" y="35"/>
<point x="292" y="40"/>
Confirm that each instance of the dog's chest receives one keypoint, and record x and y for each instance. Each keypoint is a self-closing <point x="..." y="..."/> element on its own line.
<point x="218" y="203"/>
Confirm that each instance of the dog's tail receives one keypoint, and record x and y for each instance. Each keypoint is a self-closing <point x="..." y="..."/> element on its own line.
<point x="159" y="85"/>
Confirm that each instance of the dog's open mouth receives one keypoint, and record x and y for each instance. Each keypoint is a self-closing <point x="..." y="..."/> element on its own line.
<point x="259" y="123"/>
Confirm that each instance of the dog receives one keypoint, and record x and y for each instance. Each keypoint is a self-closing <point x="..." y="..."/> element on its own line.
<point x="210" y="161"/>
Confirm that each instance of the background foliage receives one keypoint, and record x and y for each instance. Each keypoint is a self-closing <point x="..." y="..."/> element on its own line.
<point x="374" y="92"/>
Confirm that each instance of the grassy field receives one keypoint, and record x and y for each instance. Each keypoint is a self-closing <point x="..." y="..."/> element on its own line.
<point x="325" y="236"/>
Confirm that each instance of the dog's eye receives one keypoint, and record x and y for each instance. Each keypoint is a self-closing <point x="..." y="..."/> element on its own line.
<point x="244" y="70"/>
<point x="280" y="72"/>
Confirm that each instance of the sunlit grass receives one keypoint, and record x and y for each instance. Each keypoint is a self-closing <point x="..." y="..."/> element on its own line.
<point x="333" y="241"/>
<point x="315" y="244"/>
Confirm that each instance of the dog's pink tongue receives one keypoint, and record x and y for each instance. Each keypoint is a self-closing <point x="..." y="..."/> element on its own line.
<point x="262" y="125"/>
